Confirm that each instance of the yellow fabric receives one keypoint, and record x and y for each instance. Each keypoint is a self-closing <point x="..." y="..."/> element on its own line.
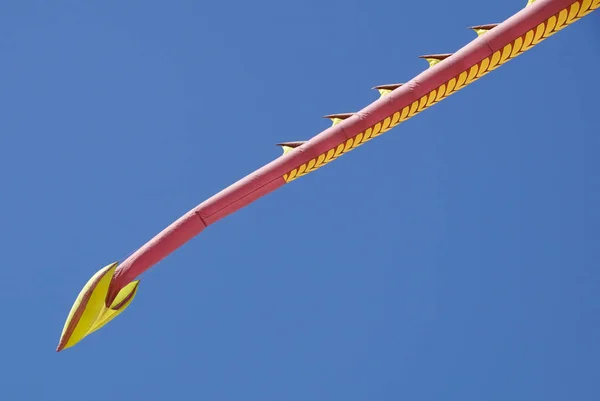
<point x="286" y="149"/>
<point x="336" y="120"/>
<point x="384" y="92"/>
<point x="530" y="2"/>
<point x="480" y="31"/>
<point x="109" y="314"/>
<point x="432" y="61"/>
<point x="95" y="314"/>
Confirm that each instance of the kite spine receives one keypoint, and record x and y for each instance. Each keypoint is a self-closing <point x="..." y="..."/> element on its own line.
<point x="534" y="36"/>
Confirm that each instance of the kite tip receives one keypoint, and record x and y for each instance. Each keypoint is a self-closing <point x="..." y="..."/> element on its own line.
<point x="89" y="312"/>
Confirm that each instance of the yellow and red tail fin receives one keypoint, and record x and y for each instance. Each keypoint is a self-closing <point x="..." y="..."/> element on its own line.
<point x="89" y="312"/>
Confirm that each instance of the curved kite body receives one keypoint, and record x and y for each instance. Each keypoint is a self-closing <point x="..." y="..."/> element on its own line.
<point x="112" y="289"/>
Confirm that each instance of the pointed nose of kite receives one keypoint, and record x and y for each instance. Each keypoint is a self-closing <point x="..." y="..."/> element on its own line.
<point x="89" y="312"/>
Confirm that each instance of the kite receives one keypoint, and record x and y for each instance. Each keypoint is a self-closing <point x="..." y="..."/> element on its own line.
<point x="112" y="289"/>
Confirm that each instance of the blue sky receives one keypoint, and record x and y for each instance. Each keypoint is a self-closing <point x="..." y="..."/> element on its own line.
<point x="453" y="258"/>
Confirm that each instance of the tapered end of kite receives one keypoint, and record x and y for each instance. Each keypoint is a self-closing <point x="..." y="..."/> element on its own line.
<point x="433" y="59"/>
<point x="481" y="29"/>
<point x="89" y="312"/>
<point x="386" y="89"/>
<point x="338" y="118"/>
<point x="287" y="146"/>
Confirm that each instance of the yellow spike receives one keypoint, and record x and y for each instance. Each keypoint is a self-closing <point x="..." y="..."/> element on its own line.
<point x="338" y="118"/>
<point x="287" y="146"/>
<point x="481" y="29"/>
<point x="387" y="89"/>
<point x="433" y="59"/>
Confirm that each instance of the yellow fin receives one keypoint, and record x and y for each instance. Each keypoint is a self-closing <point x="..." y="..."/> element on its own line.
<point x="433" y="59"/>
<point x="481" y="29"/>
<point x="89" y="312"/>
<point x="338" y="118"/>
<point x="122" y="301"/>
<point x="387" y="89"/>
<point x="288" y="146"/>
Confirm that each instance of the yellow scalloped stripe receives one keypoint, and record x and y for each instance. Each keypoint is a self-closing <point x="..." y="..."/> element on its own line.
<point x="555" y="23"/>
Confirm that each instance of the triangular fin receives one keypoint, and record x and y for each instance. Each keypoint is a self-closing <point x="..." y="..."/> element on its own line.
<point x="481" y="29"/>
<point x="387" y="89"/>
<point x="338" y="118"/>
<point x="287" y="146"/>
<point x="433" y="59"/>
<point x="89" y="312"/>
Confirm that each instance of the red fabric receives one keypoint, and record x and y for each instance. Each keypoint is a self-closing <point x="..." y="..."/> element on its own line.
<point x="269" y="177"/>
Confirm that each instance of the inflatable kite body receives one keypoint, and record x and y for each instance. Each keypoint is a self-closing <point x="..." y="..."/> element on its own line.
<point x="113" y="288"/>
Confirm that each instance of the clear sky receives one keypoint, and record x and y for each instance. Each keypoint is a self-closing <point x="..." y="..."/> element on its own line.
<point x="453" y="258"/>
